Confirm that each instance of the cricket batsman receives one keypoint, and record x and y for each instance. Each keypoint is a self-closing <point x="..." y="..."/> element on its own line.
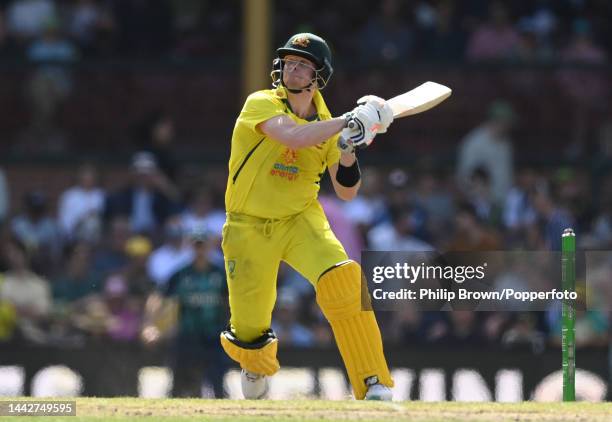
<point x="283" y="141"/>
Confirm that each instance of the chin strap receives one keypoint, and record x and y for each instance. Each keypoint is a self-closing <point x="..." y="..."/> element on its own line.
<point x="299" y="90"/>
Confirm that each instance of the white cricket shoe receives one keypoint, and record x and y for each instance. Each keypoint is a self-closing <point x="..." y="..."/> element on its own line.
<point x="254" y="386"/>
<point x="377" y="391"/>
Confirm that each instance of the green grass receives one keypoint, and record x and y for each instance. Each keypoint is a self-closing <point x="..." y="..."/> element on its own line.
<point x="170" y="410"/>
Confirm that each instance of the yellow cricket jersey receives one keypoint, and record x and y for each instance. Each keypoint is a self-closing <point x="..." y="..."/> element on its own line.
<point x="266" y="178"/>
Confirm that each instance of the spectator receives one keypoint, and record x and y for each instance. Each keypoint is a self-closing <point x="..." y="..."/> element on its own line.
<point x="28" y="293"/>
<point x="470" y="234"/>
<point x="495" y="39"/>
<point x="518" y="213"/>
<point x="200" y="291"/>
<point x="584" y="85"/>
<point x="433" y="195"/>
<point x="124" y="314"/>
<point x="489" y="146"/>
<point x="201" y="214"/>
<point x="51" y="82"/>
<point x="398" y="234"/>
<point x="27" y="18"/>
<point x="81" y="206"/>
<point x="444" y="40"/>
<point x="346" y="232"/>
<point x="286" y="322"/>
<point x="77" y="280"/>
<point x="172" y="255"/>
<point x="552" y="220"/>
<point x="591" y="324"/>
<point x="85" y="18"/>
<point x="111" y="255"/>
<point x="138" y="250"/>
<point x="156" y="135"/>
<point x="146" y="200"/>
<point x="386" y="38"/>
<point x="37" y="230"/>
<point x="480" y="197"/>
<point x="462" y="329"/>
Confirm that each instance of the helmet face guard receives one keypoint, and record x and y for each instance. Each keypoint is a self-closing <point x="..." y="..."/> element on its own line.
<point x="321" y="76"/>
<point x="308" y="46"/>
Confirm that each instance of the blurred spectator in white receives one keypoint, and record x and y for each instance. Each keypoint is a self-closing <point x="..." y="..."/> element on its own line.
<point x="494" y="39"/>
<point x="172" y="255"/>
<point x="286" y="322"/>
<point x="489" y="146"/>
<point x="386" y="38"/>
<point x="552" y="217"/>
<point x="81" y="206"/>
<point x="37" y="230"/>
<point x="28" y="293"/>
<point x="111" y="255"/>
<point x="27" y="18"/>
<point x="4" y="197"/>
<point x="146" y="200"/>
<point x="344" y="229"/>
<point x="202" y="215"/>
<point x="398" y="233"/>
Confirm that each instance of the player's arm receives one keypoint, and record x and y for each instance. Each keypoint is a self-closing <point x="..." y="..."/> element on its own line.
<point x="346" y="176"/>
<point x="284" y="130"/>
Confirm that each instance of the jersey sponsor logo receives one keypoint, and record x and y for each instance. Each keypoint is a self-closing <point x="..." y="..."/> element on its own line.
<point x="289" y="156"/>
<point x="285" y="169"/>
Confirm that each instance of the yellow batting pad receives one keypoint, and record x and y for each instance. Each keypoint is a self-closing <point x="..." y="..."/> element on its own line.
<point x="258" y="357"/>
<point x="356" y="331"/>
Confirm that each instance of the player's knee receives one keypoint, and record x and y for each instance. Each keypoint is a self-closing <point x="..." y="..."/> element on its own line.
<point x="258" y="356"/>
<point x="339" y="291"/>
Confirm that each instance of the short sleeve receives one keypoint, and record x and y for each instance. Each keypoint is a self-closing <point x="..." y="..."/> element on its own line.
<point x="259" y="107"/>
<point x="333" y="153"/>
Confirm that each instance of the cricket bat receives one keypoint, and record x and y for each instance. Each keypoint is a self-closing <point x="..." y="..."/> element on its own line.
<point x="418" y="100"/>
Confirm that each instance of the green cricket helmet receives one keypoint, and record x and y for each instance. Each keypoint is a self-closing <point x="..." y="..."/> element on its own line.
<point x="308" y="46"/>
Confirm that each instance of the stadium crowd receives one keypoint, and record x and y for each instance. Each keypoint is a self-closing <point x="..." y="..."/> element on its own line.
<point x="102" y="263"/>
<point x="142" y="263"/>
<point x="64" y="30"/>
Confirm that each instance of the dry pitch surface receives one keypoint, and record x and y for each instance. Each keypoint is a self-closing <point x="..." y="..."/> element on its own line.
<point x="170" y="410"/>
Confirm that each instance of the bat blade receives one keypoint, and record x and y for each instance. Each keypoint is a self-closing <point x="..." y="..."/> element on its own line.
<point x="421" y="98"/>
